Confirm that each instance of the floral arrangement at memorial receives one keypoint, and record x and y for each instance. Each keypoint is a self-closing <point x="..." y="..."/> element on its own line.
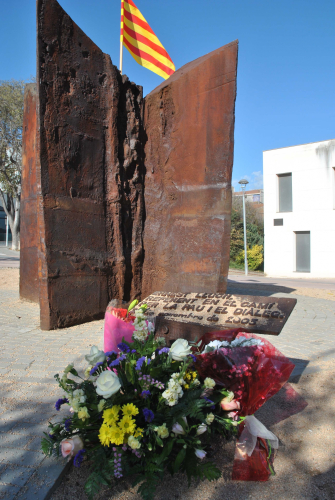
<point x="144" y="409"/>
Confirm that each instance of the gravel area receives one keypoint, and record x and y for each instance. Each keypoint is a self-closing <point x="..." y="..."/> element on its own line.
<point x="304" y="465"/>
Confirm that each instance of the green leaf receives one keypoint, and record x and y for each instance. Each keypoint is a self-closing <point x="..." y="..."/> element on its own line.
<point x="130" y="373"/>
<point x="132" y="305"/>
<point x="179" y="459"/>
<point x="159" y="441"/>
<point x="210" y="471"/>
<point x="74" y="372"/>
<point x="166" y="452"/>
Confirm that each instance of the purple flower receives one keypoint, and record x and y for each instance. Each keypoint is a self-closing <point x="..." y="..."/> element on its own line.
<point x="148" y="415"/>
<point x="139" y="363"/>
<point x="79" y="458"/>
<point x="110" y="353"/>
<point x="94" y="369"/>
<point x="133" y="351"/>
<point x="164" y="349"/>
<point x="117" y="361"/>
<point x="210" y="401"/>
<point x="145" y="394"/>
<point x="67" y="424"/>
<point x="114" y="363"/>
<point x="123" y="347"/>
<point x="193" y="357"/>
<point x="60" y="402"/>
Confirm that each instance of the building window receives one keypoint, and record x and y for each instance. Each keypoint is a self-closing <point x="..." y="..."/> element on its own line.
<point x="278" y="222"/>
<point x="303" y="251"/>
<point x="256" y="198"/>
<point x="284" y="192"/>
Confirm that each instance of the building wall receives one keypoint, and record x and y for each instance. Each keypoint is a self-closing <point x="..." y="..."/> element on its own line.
<point x="313" y="196"/>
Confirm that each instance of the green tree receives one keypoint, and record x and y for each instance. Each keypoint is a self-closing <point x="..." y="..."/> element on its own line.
<point x="254" y="227"/>
<point x="11" y="119"/>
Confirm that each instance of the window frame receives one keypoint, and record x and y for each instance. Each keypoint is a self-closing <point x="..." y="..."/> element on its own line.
<point x="284" y="174"/>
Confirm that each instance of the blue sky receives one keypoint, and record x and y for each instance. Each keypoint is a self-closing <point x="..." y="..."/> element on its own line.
<point x="286" y="70"/>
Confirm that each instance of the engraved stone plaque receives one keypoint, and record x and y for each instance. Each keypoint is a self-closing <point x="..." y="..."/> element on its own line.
<point x="189" y="315"/>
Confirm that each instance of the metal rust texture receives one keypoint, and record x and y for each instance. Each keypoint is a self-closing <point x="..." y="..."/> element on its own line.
<point x="29" y="282"/>
<point x="189" y="124"/>
<point x="90" y="176"/>
<point x="127" y="195"/>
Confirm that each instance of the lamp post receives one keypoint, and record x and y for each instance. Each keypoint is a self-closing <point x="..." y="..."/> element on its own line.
<point x="243" y="183"/>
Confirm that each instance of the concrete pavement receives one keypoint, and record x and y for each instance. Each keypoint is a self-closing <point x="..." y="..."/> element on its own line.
<point x="8" y="257"/>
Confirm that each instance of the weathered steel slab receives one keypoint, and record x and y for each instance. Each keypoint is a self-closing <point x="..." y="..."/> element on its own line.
<point x="29" y="282"/>
<point x="90" y="175"/>
<point x="189" y="315"/>
<point x="189" y="122"/>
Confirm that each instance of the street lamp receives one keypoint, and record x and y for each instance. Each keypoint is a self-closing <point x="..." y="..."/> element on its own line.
<point x="243" y="183"/>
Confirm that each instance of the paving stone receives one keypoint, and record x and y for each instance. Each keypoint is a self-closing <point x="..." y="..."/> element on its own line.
<point x="17" y="476"/>
<point x="8" y="440"/>
<point x="6" y="425"/>
<point x="34" y="445"/>
<point x="19" y="457"/>
<point x="8" y="491"/>
<point x="28" y="428"/>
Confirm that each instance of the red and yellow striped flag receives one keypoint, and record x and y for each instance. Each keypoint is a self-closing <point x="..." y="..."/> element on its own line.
<point x="141" y="41"/>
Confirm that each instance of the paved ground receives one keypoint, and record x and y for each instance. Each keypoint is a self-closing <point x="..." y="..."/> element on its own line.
<point x="255" y="278"/>
<point x="8" y="257"/>
<point x="29" y="358"/>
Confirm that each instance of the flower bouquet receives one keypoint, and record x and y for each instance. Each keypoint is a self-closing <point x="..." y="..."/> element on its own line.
<point x="252" y="370"/>
<point x="140" y="411"/>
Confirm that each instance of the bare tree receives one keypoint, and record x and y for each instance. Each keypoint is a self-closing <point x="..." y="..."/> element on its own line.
<point x="11" y="118"/>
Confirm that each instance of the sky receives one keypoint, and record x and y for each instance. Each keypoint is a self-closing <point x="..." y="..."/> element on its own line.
<point x="286" y="70"/>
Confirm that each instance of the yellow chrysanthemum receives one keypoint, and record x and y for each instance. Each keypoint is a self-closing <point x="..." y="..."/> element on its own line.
<point x="105" y="435"/>
<point x="117" y="435"/>
<point x="186" y="386"/>
<point x="130" y="410"/>
<point x="138" y="432"/>
<point x="111" y="416"/>
<point x="127" y="424"/>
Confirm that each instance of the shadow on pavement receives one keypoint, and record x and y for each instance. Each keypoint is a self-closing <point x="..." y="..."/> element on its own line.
<point x="265" y="289"/>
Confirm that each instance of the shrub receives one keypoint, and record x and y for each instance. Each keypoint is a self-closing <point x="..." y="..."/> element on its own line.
<point x="254" y="255"/>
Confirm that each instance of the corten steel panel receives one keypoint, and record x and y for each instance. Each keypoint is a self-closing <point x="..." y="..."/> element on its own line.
<point x="71" y="124"/>
<point x="29" y="283"/>
<point x="90" y="178"/>
<point x="189" y="123"/>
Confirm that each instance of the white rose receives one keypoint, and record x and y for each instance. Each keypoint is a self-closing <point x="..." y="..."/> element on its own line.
<point x="95" y="356"/>
<point x="108" y="383"/>
<point x="180" y="349"/>
<point x="70" y="447"/>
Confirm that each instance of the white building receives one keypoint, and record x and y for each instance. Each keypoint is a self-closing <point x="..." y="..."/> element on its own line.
<point x="299" y="211"/>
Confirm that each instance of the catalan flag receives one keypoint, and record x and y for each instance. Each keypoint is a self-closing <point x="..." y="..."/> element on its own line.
<point x="142" y="43"/>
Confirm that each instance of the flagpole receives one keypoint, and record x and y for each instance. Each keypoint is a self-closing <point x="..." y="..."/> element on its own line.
<point x="121" y="37"/>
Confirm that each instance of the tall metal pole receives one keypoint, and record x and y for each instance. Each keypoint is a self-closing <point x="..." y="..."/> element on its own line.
<point x="245" y="235"/>
<point x="121" y="36"/>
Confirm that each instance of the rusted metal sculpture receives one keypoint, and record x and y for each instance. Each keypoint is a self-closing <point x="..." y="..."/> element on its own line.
<point x="189" y="122"/>
<point x="132" y="194"/>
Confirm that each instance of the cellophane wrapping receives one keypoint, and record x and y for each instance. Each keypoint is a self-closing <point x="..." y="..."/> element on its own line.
<point x="118" y="325"/>
<point x="254" y="374"/>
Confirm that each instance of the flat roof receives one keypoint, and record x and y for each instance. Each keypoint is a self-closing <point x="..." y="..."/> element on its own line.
<point x="295" y="145"/>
